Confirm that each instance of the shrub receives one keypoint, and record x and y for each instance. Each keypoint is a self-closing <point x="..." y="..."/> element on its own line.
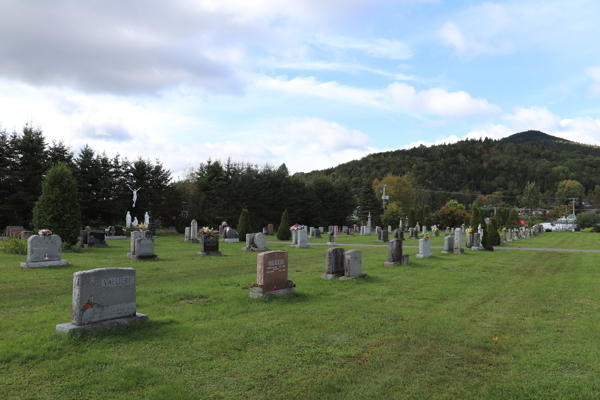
<point x="14" y="246"/>
<point x="283" y="232"/>
<point x="587" y="220"/>
<point x="590" y="229"/>
<point x="489" y="248"/>
<point x="57" y="208"/>
<point x="493" y="237"/>
<point x="244" y="225"/>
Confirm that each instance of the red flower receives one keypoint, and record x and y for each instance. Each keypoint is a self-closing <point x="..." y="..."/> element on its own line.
<point x="294" y="285"/>
<point x="274" y="287"/>
<point x="87" y="305"/>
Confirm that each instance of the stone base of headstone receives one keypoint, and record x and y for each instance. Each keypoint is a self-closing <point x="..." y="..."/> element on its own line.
<point x="298" y="246"/>
<point x="459" y="251"/>
<point x="194" y="241"/>
<point x="345" y="278"/>
<point x="336" y="235"/>
<point x="509" y="240"/>
<point x="256" y="248"/>
<point x="115" y="237"/>
<point x="424" y="255"/>
<point x="85" y="246"/>
<point x="331" y="276"/>
<point x="209" y="253"/>
<point x="41" y="264"/>
<point x="258" y="292"/>
<point x="330" y="243"/>
<point x="236" y="240"/>
<point x="134" y="257"/>
<point x="403" y="261"/>
<point x="112" y="323"/>
<point x="477" y="248"/>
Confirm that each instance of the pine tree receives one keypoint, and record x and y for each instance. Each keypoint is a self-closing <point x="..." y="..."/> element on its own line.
<point x="420" y="216"/>
<point x="57" y="208"/>
<point x="426" y="216"/>
<point x="283" y="232"/>
<point x="244" y="225"/>
<point x="412" y="218"/>
<point x="493" y="237"/>
<point x="369" y="204"/>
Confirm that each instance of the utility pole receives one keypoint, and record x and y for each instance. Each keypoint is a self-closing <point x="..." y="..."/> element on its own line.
<point x="384" y="198"/>
<point x="573" y="199"/>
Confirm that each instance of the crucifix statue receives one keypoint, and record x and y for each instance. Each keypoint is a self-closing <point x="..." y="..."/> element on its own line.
<point x="134" y="194"/>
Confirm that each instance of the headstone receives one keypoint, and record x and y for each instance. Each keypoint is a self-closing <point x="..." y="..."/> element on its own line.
<point x="457" y="246"/>
<point x="509" y="232"/>
<point x="142" y="246"/>
<point x="10" y="228"/>
<point x="476" y="242"/>
<point x="330" y="239"/>
<point x="26" y="234"/>
<point x="294" y="238"/>
<point x="209" y="244"/>
<point x="302" y="239"/>
<point x="43" y="251"/>
<point x="353" y="265"/>
<point x="424" y="248"/>
<point x="448" y="244"/>
<point x="152" y="228"/>
<point x="345" y="229"/>
<point x="259" y="242"/>
<point x="395" y="255"/>
<point x="469" y="240"/>
<point x="312" y="232"/>
<point x="330" y="228"/>
<point x="321" y="229"/>
<point x="230" y="235"/>
<point x="271" y="274"/>
<point x="15" y="232"/>
<point x="194" y="231"/>
<point x="103" y="298"/>
<point x="265" y="231"/>
<point x="350" y="232"/>
<point x="317" y="233"/>
<point x="384" y="236"/>
<point x="369" y="223"/>
<point x="334" y="263"/>
<point x="186" y="236"/>
<point x="418" y="228"/>
<point x="92" y="238"/>
<point x="336" y="231"/>
<point x="270" y="229"/>
<point x="389" y="229"/>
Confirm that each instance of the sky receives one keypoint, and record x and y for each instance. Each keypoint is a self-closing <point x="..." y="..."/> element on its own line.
<point x="308" y="83"/>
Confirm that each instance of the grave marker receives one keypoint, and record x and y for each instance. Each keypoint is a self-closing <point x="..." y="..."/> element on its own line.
<point x="334" y="263"/>
<point x="271" y="275"/>
<point x="43" y="251"/>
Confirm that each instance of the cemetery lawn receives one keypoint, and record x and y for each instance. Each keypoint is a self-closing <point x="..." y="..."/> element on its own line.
<point x="560" y="240"/>
<point x="483" y="325"/>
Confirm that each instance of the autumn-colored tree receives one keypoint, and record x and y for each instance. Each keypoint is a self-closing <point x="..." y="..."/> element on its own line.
<point x="397" y="190"/>
<point x="568" y="189"/>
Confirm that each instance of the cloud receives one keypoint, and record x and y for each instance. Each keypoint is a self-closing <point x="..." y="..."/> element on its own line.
<point x="348" y="67"/>
<point x="378" y="47"/>
<point x="323" y="136"/>
<point x="105" y="131"/>
<point x="396" y="96"/>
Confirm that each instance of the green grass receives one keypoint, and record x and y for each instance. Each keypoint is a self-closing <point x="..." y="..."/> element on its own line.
<point x="423" y="331"/>
<point x="560" y="240"/>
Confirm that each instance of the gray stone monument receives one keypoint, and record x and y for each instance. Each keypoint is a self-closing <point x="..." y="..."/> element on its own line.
<point x="43" y="251"/>
<point x="448" y="244"/>
<point x="334" y="263"/>
<point x="142" y="246"/>
<point x="424" y="248"/>
<point x="271" y="275"/>
<point x="103" y="298"/>
<point x="186" y="236"/>
<point x="353" y="265"/>
<point x="209" y="244"/>
<point x="330" y="239"/>
<point x="457" y="246"/>
<point x="395" y="255"/>
<point x="230" y="235"/>
<point x="194" y="231"/>
<point x="302" y="239"/>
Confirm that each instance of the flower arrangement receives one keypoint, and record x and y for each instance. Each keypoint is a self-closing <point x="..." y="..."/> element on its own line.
<point x="208" y="230"/>
<point x="435" y="228"/>
<point x="87" y="228"/>
<point x="424" y="236"/>
<point x="469" y="230"/>
<point x="44" y="232"/>
<point x="294" y="228"/>
<point x="504" y="229"/>
<point x="142" y="227"/>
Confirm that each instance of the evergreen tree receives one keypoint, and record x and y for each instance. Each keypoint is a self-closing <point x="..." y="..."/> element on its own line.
<point x="57" y="208"/>
<point x="493" y="237"/>
<point x="412" y="218"/>
<point x="426" y="216"/>
<point x="369" y="204"/>
<point x="244" y="225"/>
<point x="283" y="232"/>
<point x="7" y="212"/>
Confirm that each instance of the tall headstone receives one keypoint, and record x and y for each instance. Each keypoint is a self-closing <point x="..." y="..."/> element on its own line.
<point x="345" y="229"/>
<point x="321" y="229"/>
<point x="271" y="274"/>
<point x="317" y="233"/>
<point x="302" y="239"/>
<point x="353" y="265"/>
<point x="209" y="244"/>
<point x="186" y="236"/>
<point x="103" y="298"/>
<point x="334" y="263"/>
<point x="369" y="223"/>
<point x="294" y="238"/>
<point x="384" y="236"/>
<point x="509" y="232"/>
<point x="395" y="255"/>
<point x="469" y="240"/>
<point x="330" y="239"/>
<point x="194" y="231"/>
<point x="336" y="231"/>
<point x="43" y="251"/>
<point x="476" y="242"/>
<point x="448" y="244"/>
<point x="457" y="246"/>
<point x="271" y="229"/>
<point x="424" y="248"/>
<point x="417" y="228"/>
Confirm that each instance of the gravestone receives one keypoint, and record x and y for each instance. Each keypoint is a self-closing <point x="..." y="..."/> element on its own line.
<point x="350" y="232"/>
<point x="265" y="231"/>
<point x="152" y="228"/>
<point x="424" y="248"/>
<point x="353" y="265"/>
<point x="43" y="251"/>
<point x="334" y="263"/>
<point x="249" y="242"/>
<point x="457" y="246"/>
<point x="378" y="235"/>
<point x="395" y="255"/>
<point x="209" y="244"/>
<point x="270" y="229"/>
<point x="255" y="242"/>
<point x="448" y="244"/>
<point x="321" y="229"/>
<point x="418" y="228"/>
<point x="294" y="238"/>
<point x="92" y="238"/>
<point x="384" y="236"/>
<point x="389" y="229"/>
<point x="469" y="240"/>
<point x="336" y="231"/>
<point x="330" y="228"/>
<point x="317" y="233"/>
<point x="345" y="229"/>
<point x="230" y="235"/>
<point x="103" y="298"/>
<point x="272" y="275"/>
<point x="476" y="242"/>
<point x="26" y="234"/>
<point x="10" y="228"/>
<point x="194" y="231"/>
<point x="186" y="236"/>
<point x="14" y="231"/>
<point x="312" y="232"/>
<point x="330" y="239"/>
<point x="142" y="246"/>
<point x="302" y="239"/>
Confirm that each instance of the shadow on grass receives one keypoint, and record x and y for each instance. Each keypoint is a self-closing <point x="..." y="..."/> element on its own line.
<point x="132" y="332"/>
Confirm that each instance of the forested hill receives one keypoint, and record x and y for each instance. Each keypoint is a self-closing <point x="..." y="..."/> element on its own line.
<point x="483" y="165"/>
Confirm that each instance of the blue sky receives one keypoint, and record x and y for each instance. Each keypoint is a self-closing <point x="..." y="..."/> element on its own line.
<point x="309" y="83"/>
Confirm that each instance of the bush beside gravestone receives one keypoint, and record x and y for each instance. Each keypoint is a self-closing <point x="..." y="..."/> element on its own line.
<point x="283" y="232"/>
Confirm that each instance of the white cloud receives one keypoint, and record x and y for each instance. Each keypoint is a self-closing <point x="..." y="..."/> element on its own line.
<point x="377" y="47"/>
<point x="396" y="96"/>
